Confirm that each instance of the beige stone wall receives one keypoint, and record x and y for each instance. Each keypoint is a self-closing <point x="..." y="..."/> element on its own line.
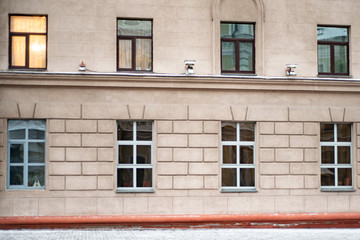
<point x="285" y="32"/>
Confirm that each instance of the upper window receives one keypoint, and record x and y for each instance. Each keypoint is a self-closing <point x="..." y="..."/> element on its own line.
<point x="28" y="38"/>
<point x="333" y="50"/>
<point x="26" y="154"/>
<point x="134" y="173"/>
<point x="336" y="161"/>
<point x="238" y="161"/>
<point x="237" y="48"/>
<point x="134" y="44"/>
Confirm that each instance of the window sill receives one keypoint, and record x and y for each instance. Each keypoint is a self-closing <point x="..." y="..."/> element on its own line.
<point x="338" y="189"/>
<point x="134" y="190"/>
<point x="333" y="76"/>
<point x="239" y="190"/>
<point x="239" y="74"/>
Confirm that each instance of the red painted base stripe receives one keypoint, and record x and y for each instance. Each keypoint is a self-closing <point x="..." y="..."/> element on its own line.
<point x="283" y="220"/>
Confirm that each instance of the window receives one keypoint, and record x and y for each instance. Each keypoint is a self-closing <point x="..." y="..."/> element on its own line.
<point x="28" y="38"/>
<point x="134" y="45"/>
<point x="134" y="139"/>
<point x="333" y="50"/>
<point x="237" y="48"/>
<point x="336" y="160"/>
<point x="26" y="154"/>
<point x="238" y="156"/>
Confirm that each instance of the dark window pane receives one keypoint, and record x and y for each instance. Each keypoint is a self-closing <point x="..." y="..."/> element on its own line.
<point x="144" y="177"/>
<point x="16" y="175"/>
<point x="125" y="54"/>
<point x="326" y="132"/>
<point x="228" y="131"/>
<point x="16" y="153"/>
<point x="229" y="177"/>
<point x="246" y="56"/>
<point x="36" y="177"/>
<point x="344" y="132"/>
<point x="36" y="152"/>
<point x="344" y="177"/>
<point x="144" y="131"/>
<point x="247" y="132"/>
<point x="334" y="34"/>
<point x="125" y="177"/>
<point x="125" y="154"/>
<point x="134" y="28"/>
<point x="36" y="134"/>
<point x="344" y="155"/>
<point x="246" y="155"/>
<point x="143" y="155"/>
<point x="229" y="154"/>
<point x="143" y="54"/>
<point x="237" y="30"/>
<point x="247" y="177"/>
<point x="17" y="134"/>
<point x="341" y="59"/>
<point x="228" y="59"/>
<point x="327" y="155"/>
<point x="327" y="177"/>
<point x="324" y="59"/>
<point x="125" y="131"/>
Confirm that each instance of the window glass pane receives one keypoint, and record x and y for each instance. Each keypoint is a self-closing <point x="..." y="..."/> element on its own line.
<point x="125" y="154"/>
<point x="343" y="155"/>
<point x="344" y="132"/>
<point x="16" y="175"/>
<point x="327" y="177"/>
<point x="143" y="54"/>
<point x="144" y="177"/>
<point x="237" y="30"/>
<point x="16" y="153"/>
<point x="228" y="177"/>
<point x="28" y="24"/>
<point x="125" y="177"/>
<point x="228" y="131"/>
<point x="125" y="54"/>
<point x="247" y="132"/>
<point x="246" y="56"/>
<point x="134" y="27"/>
<point x="36" y="134"/>
<point x="125" y="131"/>
<point x="336" y="34"/>
<point x="143" y="155"/>
<point x="327" y="155"/>
<point x="143" y="131"/>
<point x="324" y="60"/>
<point x="228" y="59"/>
<point x="344" y="177"/>
<point x="18" y="51"/>
<point x="341" y="58"/>
<point x="326" y="132"/>
<point x="17" y="124"/>
<point x="247" y="177"/>
<point x="36" y="177"/>
<point x="246" y="155"/>
<point x="36" y="152"/>
<point x="229" y="154"/>
<point x="17" y="134"/>
<point x="37" y="53"/>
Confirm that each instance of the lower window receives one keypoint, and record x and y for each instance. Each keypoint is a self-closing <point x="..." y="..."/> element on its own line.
<point x="336" y="160"/>
<point x="238" y="156"/>
<point x="26" y="154"/>
<point x="135" y="150"/>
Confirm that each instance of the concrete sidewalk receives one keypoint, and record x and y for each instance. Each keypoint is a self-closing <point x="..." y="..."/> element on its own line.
<point x="182" y="234"/>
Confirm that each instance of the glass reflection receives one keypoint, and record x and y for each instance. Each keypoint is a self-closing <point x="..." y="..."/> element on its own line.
<point x="229" y="154"/>
<point x="324" y="59"/>
<point x="247" y="132"/>
<point x="343" y="155"/>
<point x="36" y="152"/>
<point x="228" y="131"/>
<point x="341" y="59"/>
<point x="333" y="34"/>
<point x="229" y="177"/>
<point x="246" y="56"/>
<point x="344" y="132"/>
<point x="125" y="130"/>
<point x="247" y="177"/>
<point x="125" y="177"/>
<point x="344" y="177"/>
<point x="36" y="176"/>
<point x="228" y="59"/>
<point x="327" y="177"/>
<point x="326" y="132"/>
<point x="143" y="155"/>
<point x="16" y="175"/>
<point x="237" y="30"/>
<point x="16" y="153"/>
<point x="144" y="177"/>
<point x="126" y="154"/>
<point x="130" y="27"/>
<point x="327" y="155"/>
<point x="246" y="155"/>
<point x="144" y="131"/>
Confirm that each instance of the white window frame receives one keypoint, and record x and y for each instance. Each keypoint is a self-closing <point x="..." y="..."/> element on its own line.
<point x="134" y="166"/>
<point x="25" y="163"/>
<point x="239" y="165"/>
<point x="335" y="165"/>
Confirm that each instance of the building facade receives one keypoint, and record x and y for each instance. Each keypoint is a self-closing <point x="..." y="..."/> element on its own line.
<point x="230" y="107"/>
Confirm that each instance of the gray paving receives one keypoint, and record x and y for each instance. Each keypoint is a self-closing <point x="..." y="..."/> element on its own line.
<point x="182" y="234"/>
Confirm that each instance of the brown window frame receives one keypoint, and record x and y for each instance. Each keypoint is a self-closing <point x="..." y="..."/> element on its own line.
<point x="27" y="37"/>
<point x="237" y="42"/>
<point x="133" y="46"/>
<point x="332" y="45"/>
